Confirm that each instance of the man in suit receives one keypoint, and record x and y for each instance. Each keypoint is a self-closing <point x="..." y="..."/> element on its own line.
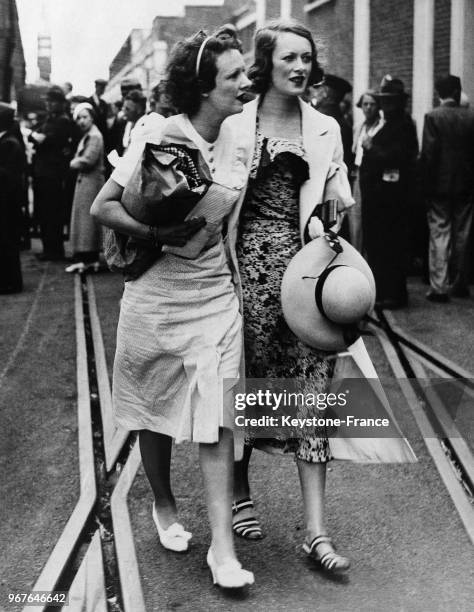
<point x="53" y="149"/>
<point x="100" y="106"/>
<point x="134" y="108"/>
<point x="118" y="127"/>
<point x="12" y="165"/>
<point x="447" y="162"/>
<point x="160" y="101"/>
<point x="326" y="97"/>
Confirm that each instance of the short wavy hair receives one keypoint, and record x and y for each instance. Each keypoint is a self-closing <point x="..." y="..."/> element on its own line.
<point x="184" y="85"/>
<point x="260" y="72"/>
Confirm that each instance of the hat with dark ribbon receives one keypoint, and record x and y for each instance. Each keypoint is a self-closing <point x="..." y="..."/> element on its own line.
<point x="326" y="290"/>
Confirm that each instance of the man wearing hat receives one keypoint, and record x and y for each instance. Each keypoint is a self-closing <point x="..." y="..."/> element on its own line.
<point x="100" y="106"/>
<point x="387" y="181"/>
<point x="328" y="95"/>
<point x="117" y="129"/>
<point x="160" y="101"/>
<point x="447" y="160"/>
<point x="53" y="146"/>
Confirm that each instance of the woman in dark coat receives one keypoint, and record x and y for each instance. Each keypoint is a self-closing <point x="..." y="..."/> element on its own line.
<point x="12" y="164"/>
<point x="387" y="181"/>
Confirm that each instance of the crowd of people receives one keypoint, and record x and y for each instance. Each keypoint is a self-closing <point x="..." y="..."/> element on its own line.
<point x="54" y="162"/>
<point x="205" y="311"/>
<point x="413" y="206"/>
<point x="412" y="211"/>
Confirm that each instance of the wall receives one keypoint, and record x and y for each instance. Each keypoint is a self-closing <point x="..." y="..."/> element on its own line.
<point x="442" y="37"/>
<point x="332" y="25"/>
<point x="391" y="44"/>
<point x="12" y="60"/>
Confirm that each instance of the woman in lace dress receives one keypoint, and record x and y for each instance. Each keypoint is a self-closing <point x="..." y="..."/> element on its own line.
<point x="295" y="149"/>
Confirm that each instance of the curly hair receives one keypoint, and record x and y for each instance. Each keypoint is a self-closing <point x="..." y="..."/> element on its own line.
<point x="260" y="72"/>
<point x="184" y="85"/>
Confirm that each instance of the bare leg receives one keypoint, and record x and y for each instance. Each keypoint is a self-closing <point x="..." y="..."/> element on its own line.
<point x="155" y="449"/>
<point x="313" y="483"/>
<point x="216" y="465"/>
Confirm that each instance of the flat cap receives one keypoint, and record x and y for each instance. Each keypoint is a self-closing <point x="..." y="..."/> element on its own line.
<point x="129" y="84"/>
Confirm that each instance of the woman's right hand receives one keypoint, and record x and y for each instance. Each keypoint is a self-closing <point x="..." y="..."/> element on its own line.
<point x="179" y="234"/>
<point x="108" y="210"/>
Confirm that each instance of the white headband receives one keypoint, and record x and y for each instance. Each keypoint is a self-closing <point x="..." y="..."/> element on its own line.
<point x="199" y="55"/>
<point x="80" y="107"/>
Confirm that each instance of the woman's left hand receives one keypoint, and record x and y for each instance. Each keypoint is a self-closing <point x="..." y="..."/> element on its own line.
<point x="315" y="228"/>
<point x="339" y="219"/>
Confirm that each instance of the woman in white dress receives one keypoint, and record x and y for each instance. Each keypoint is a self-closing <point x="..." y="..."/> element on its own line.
<point x="179" y="333"/>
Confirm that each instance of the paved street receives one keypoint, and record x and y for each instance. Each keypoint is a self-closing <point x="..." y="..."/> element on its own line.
<point x="38" y="421"/>
<point x="398" y="524"/>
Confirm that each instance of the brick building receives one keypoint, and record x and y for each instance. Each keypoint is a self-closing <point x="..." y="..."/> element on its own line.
<point x="415" y="40"/>
<point x="12" y="60"/>
<point x="138" y="58"/>
<point x="360" y="40"/>
<point x="144" y="54"/>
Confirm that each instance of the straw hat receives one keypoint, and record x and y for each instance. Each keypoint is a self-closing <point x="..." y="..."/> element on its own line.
<point x="325" y="294"/>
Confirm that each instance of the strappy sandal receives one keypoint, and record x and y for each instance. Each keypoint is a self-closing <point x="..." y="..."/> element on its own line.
<point x="248" y="528"/>
<point x="329" y="561"/>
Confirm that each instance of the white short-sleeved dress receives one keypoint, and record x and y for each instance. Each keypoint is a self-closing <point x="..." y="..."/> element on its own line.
<point x="180" y="332"/>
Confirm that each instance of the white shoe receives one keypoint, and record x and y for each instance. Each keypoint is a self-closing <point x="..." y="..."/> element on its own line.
<point x="76" y="267"/>
<point x="175" y="537"/>
<point x="229" y="575"/>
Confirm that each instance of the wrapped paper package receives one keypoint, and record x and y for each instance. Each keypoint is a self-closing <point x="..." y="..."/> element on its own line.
<point x="170" y="183"/>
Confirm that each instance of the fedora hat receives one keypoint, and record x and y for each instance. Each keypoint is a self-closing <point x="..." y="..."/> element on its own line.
<point x="391" y="88"/>
<point x="325" y="294"/>
<point x="337" y="83"/>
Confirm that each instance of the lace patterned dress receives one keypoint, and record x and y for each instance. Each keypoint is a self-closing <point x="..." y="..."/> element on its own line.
<point x="269" y="238"/>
